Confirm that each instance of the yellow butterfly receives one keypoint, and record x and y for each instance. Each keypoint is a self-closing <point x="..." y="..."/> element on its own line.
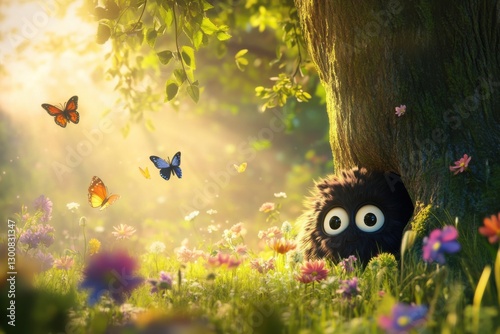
<point x="145" y="172"/>
<point x="241" y="168"/>
<point x="98" y="194"/>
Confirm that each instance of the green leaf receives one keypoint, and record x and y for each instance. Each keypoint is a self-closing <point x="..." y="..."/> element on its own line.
<point x="206" y="5"/>
<point x="151" y="37"/>
<point x="187" y="54"/>
<point x="180" y="75"/>
<point x="197" y="39"/>
<point x="241" y="53"/>
<point x="194" y="91"/>
<point x="103" y="33"/>
<point x="223" y="36"/>
<point x="172" y="88"/>
<point x="208" y="26"/>
<point x="165" y="56"/>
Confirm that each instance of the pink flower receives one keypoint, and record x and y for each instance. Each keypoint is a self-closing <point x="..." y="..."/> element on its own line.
<point x="267" y="207"/>
<point x="64" y="263"/>
<point x="238" y="230"/>
<point x="461" y="165"/>
<point x="262" y="266"/>
<point x="312" y="271"/>
<point x="401" y="110"/>
<point x="185" y="254"/>
<point x="222" y="259"/>
<point x="272" y="232"/>
<point x="123" y="231"/>
<point x="241" y="249"/>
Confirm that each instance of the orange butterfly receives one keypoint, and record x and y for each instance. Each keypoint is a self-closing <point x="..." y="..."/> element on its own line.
<point x="98" y="194"/>
<point x="61" y="117"/>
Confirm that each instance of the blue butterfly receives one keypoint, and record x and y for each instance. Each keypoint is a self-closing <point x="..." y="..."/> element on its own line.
<point x="167" y="167"/>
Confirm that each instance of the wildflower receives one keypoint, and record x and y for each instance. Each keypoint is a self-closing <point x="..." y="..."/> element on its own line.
<point x="238" y="230"/>
<point x="281" y="246"/>
<point x="262" y="266"/>
<point x="286" y="227"/>
<point x="491" y="228"/>
<point x="72" y="206"/>
<point x="185" y="254"/>
<point x="267" y="207"/>
<point x="295" y="257"/>
<point x="280" y="194"/>
<point x="212" y="228"/>
<point x="349" y="288"/>
<point x="83" y="221"/>
<point x="191" y="216"/>
<point x="123" y="231"/>
<point x="64" y="263"/>
<point x="241" y="249"/>
<point x="403" y="318"/>
<point x="401" y="110"/>
<point x="313" y="271"/>
<point x="111" y="272"/>
<point x="157" y="247"/>
<point x="460" y="165"/>
<point x="222" y="259"/>
<point x="44" y="204"/>
<point x="38" y="234"/>
<point x="211" y="212"/>
<point x="348" y="264"/>
<point x="272" y="232"/>
<point x="44" y="261"/>
<point x="440" y="242"/>
<point x="164" y="283"/>
<point x="94" y="246"/>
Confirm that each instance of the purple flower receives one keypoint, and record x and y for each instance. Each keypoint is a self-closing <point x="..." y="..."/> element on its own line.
<point x="164" y="283"/>
<point x="403" y="318"/>
<point x="38" y="234"/>
<point x="348" y="264"/>
<point x="111" y="272"/>
<point x="44" y="204"/>
<point x="349" y="288"/>
<point x="45" y="261"/>
<point x="440" y="242"/>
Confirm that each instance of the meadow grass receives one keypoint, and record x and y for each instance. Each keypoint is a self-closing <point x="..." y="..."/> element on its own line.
<point x="203" y="296"/>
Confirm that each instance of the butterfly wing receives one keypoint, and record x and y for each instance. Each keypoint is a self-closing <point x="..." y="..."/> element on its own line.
<point x="176" y="161"/>
<point x="145" y="172"/>
<point x="241" y="168"/>
<point x="164" y="166"/>
<point x="97" y="192"/>
<point x="59" y="115"/>
<point x="70" y="110"/>
<point x="110" y="200"/>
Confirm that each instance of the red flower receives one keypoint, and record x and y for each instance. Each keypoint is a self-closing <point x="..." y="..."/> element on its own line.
<point x="491" y="228"/>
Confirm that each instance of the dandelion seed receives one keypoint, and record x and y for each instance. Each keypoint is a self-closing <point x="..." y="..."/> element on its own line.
<point x="461" y="165"/>
<point x="157" y="247"/>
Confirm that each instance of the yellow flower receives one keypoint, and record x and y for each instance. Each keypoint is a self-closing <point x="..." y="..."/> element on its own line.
<point x="94" y="246"/>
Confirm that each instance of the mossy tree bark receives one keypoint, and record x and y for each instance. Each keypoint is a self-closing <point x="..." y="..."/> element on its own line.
<point x="439" y="58"/>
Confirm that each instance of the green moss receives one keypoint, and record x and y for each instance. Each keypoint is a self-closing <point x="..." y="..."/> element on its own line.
<point x="425" y="217"/>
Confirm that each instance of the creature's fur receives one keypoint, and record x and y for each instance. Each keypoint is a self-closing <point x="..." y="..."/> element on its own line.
<point x="351" y="190"/>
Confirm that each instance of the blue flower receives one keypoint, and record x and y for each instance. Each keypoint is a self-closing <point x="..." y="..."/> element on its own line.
<point x="164" y="283"/>
<point x="440" y="242"/>
<point x="112" y="273"/>
<point x="44" y="204"/>
<point x="349" y="288"/>
<point x="403" y="318"/>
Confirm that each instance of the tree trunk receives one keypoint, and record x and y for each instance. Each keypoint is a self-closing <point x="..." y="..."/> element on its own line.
<point x="439" y="58"/>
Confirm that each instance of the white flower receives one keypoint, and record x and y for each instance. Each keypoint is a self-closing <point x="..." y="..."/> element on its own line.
<point x="192" y="215"/>
<point x="286" y="227"/>
<point x="211" y="212"/>
<point x="72" y="206"/>
<point x="280" y="194"/>
<point x="157" y="247"/>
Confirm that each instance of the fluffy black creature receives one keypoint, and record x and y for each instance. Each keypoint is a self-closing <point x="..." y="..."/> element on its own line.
<point x="359" y="212"/>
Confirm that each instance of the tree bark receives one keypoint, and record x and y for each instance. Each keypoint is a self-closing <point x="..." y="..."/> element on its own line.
<point x="439" y="58"/>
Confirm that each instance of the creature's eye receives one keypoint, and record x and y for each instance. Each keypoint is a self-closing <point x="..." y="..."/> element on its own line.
<point x="369" y="218"/>
<point x="336" y="221"/>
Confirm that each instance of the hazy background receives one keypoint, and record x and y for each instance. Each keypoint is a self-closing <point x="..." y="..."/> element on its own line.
<point x="48" y="54"/>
